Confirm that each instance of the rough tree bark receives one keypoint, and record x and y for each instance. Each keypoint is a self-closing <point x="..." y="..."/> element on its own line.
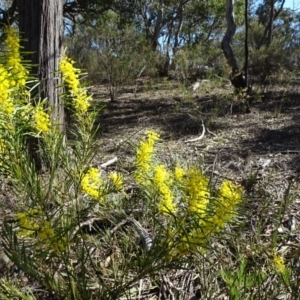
<point x="237" y="78"/>
<point x="41" y="28"/>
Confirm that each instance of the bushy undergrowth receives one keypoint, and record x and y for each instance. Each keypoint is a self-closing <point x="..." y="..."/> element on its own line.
<point x="112" y="55"/>
<point x="75" y="229"/>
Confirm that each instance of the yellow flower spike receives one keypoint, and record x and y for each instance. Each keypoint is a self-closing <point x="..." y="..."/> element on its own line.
<point x="18" y="73"/>
<point x="144" y="156"/>
<point x="178" y="173"/>
<point x="28" y="222"/>
<point x="197" y="191"/>
<point x="4" y="84"/>
<point x="278" y="262"/>
<point x="162" y="182"/>
<point x="71" y="79"/>
<point x="229" y="197"/>
<point x="82" y="101"/>
<point x="42" y="120"/>
<point x="49" y="238"/>
<point x="6" y="104"/>
<point x="117" y="180"/>
<point x="46" y="233"/>
<point x="92" y="184"/>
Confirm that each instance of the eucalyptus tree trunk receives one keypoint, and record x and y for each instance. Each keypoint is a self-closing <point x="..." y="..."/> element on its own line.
<point x="237" y="78"/>
<point x="41" y="28"/>
<point x="179" y="26"/>
<point x="157" y="28"/>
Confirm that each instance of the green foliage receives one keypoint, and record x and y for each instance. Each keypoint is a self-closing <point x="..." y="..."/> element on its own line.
<point x="112" y="54"/>
<point x="202" y="61"/>
<point x="240" y="282"/>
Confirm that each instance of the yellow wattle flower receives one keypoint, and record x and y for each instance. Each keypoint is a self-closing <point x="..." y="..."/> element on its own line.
<point x="196" y="189"/>
<point x="117" y="180"/>
<point x="4" y="84"/>
<point x="278" y="262"/>
<point x="28" y="222"/>
<point x="18" y="73"/>
<point x="230" y="195"/>
<point x="162" y="182"/>
<point x="92" y="184"/>
<point x="178" y="173"/>
<point x="49" y="238"/>
<point x="6" y="103"/>
<point x="71" y="79"/>
<point x="144" y="156"/>
<point x="42" y="120"/>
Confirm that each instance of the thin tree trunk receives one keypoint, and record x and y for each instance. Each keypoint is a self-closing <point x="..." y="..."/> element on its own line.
<point x="237" y="78"/>
<point x="270" y="24"/>
<point x="157" y="27"/>
<point x="268" y="33"/>
<point x="179" y="27"/>
<point x="246" y="43"/>
<point x="41" y="28"/>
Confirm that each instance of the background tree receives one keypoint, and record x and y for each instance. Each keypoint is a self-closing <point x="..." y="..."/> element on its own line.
<point x="267" y="13"/>
<point x="184" y="34"/>
<point x="237" y="78"/>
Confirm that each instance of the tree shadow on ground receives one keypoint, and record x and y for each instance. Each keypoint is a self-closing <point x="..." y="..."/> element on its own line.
<point x="163" y="113"/>
<point x="180" y="118"/>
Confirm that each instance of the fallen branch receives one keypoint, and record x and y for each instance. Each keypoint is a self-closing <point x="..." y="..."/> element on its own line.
<point x="146" y="240"/>
<point x="108" y="163"/>
<point x="198" y="138"/>
<point x="211" y="132"/>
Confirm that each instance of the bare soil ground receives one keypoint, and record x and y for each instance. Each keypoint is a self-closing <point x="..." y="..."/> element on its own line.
<point x="235" y="145"/>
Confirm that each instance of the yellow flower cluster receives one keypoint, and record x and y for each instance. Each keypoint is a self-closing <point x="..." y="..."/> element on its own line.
<point x="4" y="85"/>
<point x="188" y="242"/>
<point x="144" y="156"/>
<point x="18" y="73"/>
<point x="92" y="184"/>
<point x="222" y="210"/>
<point x="42" y="120"/>
<point x="13" y="73"/>
<point x="27" y="222"/>
<point x="229" y="197"/>
<point x="178" y="173"/>
<point x="196" y="190"/>
<point x="71" y="79"/>
<point x="31" y="223"/>
<point x="117" y="180"/>
<point x="278" y="262"/>
<point x="210" y="214"/>
<point x="6" y="103"/>
<point x="162" y="181"/>
<point x="47" y="236"/>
